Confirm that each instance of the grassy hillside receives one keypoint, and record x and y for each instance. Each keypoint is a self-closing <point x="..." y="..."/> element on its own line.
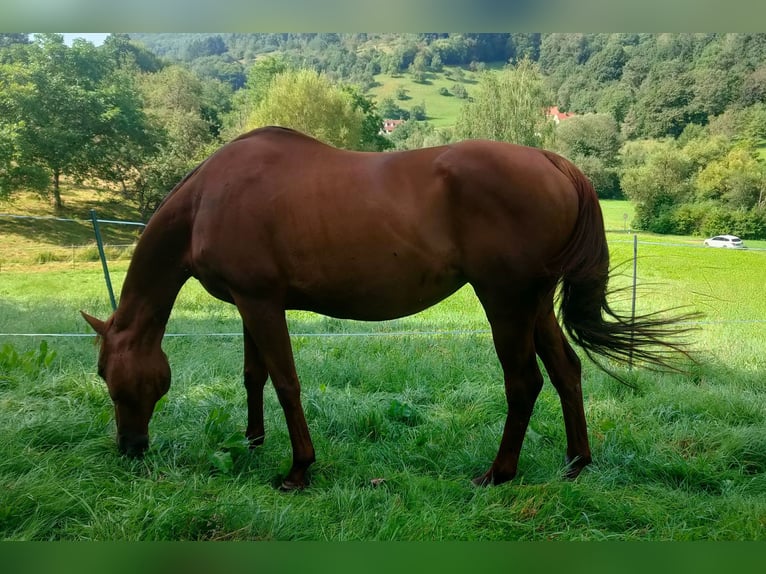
<point x="44" y="239"/>
<point x="442" y="110"/>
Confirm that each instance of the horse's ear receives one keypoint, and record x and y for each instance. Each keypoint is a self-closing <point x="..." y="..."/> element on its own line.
<point x="98" y="325"/>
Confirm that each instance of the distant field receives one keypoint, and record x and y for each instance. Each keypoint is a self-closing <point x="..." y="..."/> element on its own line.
<point x="442" y="110"/>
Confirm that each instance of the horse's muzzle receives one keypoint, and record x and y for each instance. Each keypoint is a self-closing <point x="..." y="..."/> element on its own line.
<point x="133" y="445"/>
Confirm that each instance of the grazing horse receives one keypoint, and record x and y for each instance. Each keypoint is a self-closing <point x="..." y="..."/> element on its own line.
<point x="277" y="220"/>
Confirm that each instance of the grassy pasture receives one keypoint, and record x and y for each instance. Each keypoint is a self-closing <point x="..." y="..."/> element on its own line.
<point x="681" y="457"/>
<point x="442" y="110"/>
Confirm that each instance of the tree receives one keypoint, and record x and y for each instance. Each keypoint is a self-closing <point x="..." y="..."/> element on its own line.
<point x="656" y="175"/>
<point x="459" y="91"/>
<point x="182" y="111"/>
<point x="64" y="111"/>
<point x="418" y="112"/>
<point x="593" y="141"/>
<point x="606" y="65"/>
<point x="370" y="139"/>
<point x="205" y="46"/>
<point x="123" y="51"/>
<point x="738" y="179"/>
<point x="308" y="102"/>
<point x="418" y="68"/>
<point x="508" y="106"/>
<point x="590" y="135"/>
<point x="753" y="88"/>
<point x="615" y="100"/>
<point x="6" y="38"/>
<point x="415" y="135"/>
<point x="133" y="139"/>
<point x="390" y="110"/>
<point x="258" y="79"/>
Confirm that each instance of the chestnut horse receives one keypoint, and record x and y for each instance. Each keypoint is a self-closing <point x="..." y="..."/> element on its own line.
<point x="276" y="220"/>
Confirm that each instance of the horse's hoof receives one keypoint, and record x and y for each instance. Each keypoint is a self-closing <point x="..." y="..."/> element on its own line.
<point x="493" y="478"/>
<point x="574" y="466"/>
<point x="290" y="486"/>
<point x="256" y="441"/>
<point x="483" y="480"/>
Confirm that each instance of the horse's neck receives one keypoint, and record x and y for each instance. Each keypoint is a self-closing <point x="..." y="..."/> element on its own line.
<point x="156" y="274"/>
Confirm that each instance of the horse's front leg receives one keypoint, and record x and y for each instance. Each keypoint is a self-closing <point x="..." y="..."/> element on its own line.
<point x="256" y="375"/>
<point x="265" y="321"/>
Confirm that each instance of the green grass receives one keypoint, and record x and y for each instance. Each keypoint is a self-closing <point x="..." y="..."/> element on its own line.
<point x="677" y="458"/>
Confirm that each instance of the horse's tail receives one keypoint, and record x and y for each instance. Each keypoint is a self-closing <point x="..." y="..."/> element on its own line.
<point x="590" y="321"/>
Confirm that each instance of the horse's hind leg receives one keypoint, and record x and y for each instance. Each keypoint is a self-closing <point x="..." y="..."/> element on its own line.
<point x="255" y="375"/>
<point x="512" y="332"/>
<point x="267" y="325"/>
<point x="564" y="369"/>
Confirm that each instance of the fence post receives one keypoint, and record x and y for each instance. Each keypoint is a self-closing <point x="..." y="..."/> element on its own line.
<point x="633" y="298"/>
<point x="102" y="255"/>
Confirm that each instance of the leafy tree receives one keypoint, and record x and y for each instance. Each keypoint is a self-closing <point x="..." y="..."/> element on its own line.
<point x="222" y="68"/>
<point x="590" y="135"/>
<point x="124" y="51"/>
<point x="508" y="106"/>
<point x="258" y="79"/>
<point x="65" y="112"/>
<point x="390" y="110"/>
<point x="459" y="91"/>
<point x="436" y="63"/>
<point x="205" y="46"/>
<point x="560" y="52"/>
<point x="525" y="46"/>
<point x="663" y="107"/>
<point x="370" y="139"/>
<point x="308" y="102"/>
<point x="753" y="88"/>
<point x="413" y="134"/>
<point x="418" y="112"/>
<point x="606" y="65"/>
<point x="133" y="139"/>
<point x="656" y="176"/>
<point x="181" y="110"/>
<point x="615" y="100"/>
<point x="7" y="39"/>
<point x="593" y="141"/>
<point x="418" y="68"/>
<point x="738" y="179"/>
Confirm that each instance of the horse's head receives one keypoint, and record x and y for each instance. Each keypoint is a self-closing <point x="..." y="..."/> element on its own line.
<point x="136" y="375"/>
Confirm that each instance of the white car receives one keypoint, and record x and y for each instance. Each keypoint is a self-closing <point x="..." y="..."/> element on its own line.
<point x="729" y="241"/>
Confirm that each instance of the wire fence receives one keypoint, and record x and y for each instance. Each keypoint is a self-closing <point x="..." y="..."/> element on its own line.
<point x="86" y="256"/>
<point x="54" y="256"/>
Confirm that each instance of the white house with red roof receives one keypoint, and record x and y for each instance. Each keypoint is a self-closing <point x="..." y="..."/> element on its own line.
<point x="391" y="125"/>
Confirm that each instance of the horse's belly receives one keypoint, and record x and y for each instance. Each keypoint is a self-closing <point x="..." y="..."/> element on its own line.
<point x="377" y="293"/>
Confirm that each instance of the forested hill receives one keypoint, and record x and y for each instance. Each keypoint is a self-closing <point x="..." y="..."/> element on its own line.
<point x="653" y="84"/>
<point x="674" y="122"/>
